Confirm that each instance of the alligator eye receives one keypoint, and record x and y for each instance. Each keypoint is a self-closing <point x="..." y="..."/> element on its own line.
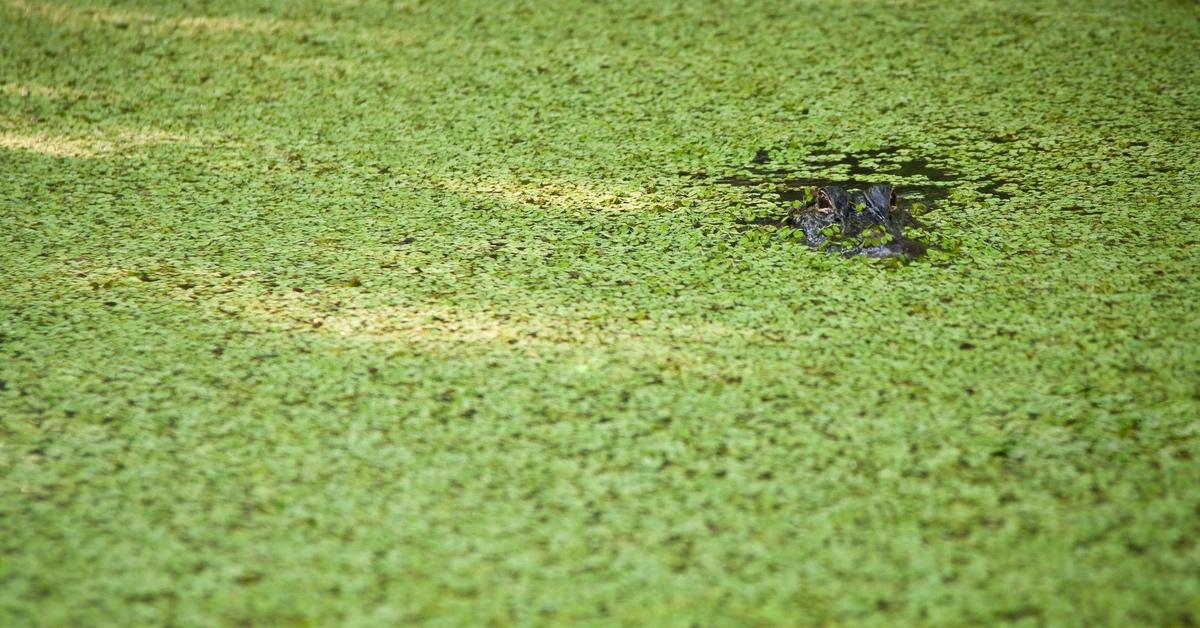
<point x="823" y="200"/>
<point x="881" y="198"/>
<point x="832" y="198"/>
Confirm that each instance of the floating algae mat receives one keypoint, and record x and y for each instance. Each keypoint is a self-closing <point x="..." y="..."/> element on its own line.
<point x="404" y="305"/>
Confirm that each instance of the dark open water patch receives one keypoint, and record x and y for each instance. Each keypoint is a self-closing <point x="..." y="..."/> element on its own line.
<point x="921" y="185"/>
<point x="916" y="178"/>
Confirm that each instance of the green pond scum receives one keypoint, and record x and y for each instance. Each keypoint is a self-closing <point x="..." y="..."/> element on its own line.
<point x="422" y="312"/>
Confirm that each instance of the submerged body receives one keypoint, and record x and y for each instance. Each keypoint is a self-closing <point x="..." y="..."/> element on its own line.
<point x="857" y="223"/>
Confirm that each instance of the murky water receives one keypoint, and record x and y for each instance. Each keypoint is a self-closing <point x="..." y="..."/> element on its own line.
<point x="916" y="178"/>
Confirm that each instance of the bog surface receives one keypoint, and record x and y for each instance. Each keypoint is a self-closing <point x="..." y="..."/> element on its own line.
<point x="379" y="313"/>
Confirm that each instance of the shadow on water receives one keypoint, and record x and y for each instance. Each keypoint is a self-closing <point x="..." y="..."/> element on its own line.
<point x="920" y="185"/>
<point x="916" y="179"/>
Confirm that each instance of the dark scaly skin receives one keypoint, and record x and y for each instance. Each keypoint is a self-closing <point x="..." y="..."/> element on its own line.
<point x="830" y="204"/>
<point x="841" y="206"/>
<point x="854" y="214"/>
<point x="880" y="201"/>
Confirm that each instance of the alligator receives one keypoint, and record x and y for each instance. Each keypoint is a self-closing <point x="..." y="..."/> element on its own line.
<point x="856" y="223"/>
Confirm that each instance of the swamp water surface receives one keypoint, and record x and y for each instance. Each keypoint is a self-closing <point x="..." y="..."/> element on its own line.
<point x="921" y="185"/>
